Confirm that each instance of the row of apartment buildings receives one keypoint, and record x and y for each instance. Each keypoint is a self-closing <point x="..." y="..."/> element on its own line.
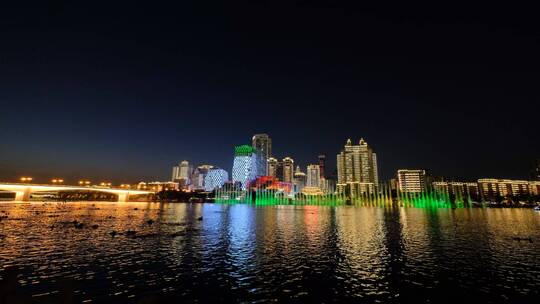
<point x="416" y="181"/>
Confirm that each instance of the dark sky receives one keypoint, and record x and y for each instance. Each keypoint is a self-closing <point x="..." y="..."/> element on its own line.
<point x="123" y="92"/>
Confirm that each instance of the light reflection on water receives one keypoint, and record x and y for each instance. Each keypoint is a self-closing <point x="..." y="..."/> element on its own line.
<point x="248" y="253"/>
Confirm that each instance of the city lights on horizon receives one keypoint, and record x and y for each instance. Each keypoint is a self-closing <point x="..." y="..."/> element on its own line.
<point x="356" y="172"/>
<point x="80" y="182"/>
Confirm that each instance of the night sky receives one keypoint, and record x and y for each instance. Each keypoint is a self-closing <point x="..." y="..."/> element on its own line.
<point x="122" y="93"/>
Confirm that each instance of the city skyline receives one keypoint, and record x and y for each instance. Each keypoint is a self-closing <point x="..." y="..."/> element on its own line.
<point x="391" y="173"/>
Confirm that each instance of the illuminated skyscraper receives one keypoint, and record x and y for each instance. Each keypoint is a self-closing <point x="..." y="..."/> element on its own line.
<point x="184" y="174"/>
<point x="185" y="170"/>
<point x="215" y="178"/>
<point x="262" y="143"/>
<point x="313" y="176"/>
<point x="272" y="167"/>
<point x="175" y="173"/>
<point x="198" y="176"/>
<point x="322" y="164"/>
<point x="288" y="169"/>
<point x="245" y="165"/>
<point x="357" y="164"/>
<point x="411" y="181"/>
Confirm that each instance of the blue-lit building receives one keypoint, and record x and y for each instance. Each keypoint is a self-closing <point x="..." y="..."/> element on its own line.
<point x="245" y="165"/>
<point x="215" y="178"/>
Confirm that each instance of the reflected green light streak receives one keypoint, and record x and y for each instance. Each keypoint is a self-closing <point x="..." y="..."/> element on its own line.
<point x="383" y="198"/>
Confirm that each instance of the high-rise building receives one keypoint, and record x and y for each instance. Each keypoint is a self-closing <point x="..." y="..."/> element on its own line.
<point x="300" y="180"/>
<point x="245" y="165"/>
<point x="272" y="167"/>
<point x="175" y="173"/>
<point x="198" y="175"/>
<point x="185" y="170"/>
<point x="262" y="143"/>
<point x="411" y="181"/>
<point x="182" y="172"/>
<point x="322" y="164"/>
<point x="357" y="164"/>
<point x="197" y="180"/>
<point x="215" y="178"/>
<point x="313" y="176"/>
<point x="288" y="169"/>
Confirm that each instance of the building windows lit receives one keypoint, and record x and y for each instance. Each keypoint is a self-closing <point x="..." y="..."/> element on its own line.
<point x="313" y="176"/>
<point x="244" y="165"/>
<point x="215" y="178"/>
<point x="357" y="169"/>
<point x="262" y="143"/>
<point x="411" y="181"/>
<point x="288" y="169"/>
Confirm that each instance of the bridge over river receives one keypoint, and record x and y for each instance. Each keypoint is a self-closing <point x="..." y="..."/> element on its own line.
<point x="23" y="191"/>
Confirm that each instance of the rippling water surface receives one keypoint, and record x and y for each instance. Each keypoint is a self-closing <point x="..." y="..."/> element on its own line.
<point x="244" y="253"/>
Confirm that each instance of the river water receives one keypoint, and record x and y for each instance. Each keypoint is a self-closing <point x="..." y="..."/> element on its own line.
<point x="245" y="253"/>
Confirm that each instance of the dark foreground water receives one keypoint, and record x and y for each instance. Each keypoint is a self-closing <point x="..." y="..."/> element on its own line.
<point x="243" y="253"/>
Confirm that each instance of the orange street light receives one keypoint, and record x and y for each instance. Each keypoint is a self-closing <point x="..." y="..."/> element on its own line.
<point x="25" y="179"/>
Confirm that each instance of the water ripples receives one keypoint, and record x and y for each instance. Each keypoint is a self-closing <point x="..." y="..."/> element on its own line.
<point x="130" y="252"/>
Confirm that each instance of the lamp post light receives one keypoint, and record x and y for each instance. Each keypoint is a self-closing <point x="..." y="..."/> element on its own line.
<point x="26" y="179"/>
<point x="84" y="183"/>
<point x="57" y="180"/>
